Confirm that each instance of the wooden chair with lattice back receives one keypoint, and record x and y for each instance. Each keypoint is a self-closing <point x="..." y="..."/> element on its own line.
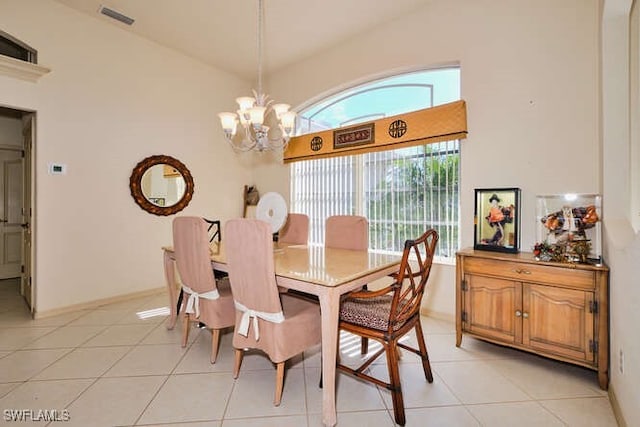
<point x="386" y="315"/>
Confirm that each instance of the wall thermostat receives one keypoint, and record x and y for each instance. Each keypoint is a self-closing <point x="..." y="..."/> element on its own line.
<point x="57" y="169"/>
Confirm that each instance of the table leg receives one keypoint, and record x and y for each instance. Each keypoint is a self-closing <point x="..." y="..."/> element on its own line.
<point x="170" y="276"/>
<point x="329" y="308"/>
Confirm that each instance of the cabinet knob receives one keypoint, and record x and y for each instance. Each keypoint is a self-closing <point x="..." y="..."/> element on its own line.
<point x="525" y="315"/>
<point x="520" y="271"/>
<point x="518" y="313"/>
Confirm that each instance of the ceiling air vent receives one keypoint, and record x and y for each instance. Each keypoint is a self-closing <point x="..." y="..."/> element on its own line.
<point x="116" y="15"/>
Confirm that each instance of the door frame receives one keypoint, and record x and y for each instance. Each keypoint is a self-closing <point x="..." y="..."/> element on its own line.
<point x="28" y="203"/>
<point x="28" y="120"/>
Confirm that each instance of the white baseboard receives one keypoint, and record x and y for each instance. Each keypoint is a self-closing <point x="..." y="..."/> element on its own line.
<point x="438" y="315"/>
<point x="97" y="303"/>
<point x="617" y="412"/>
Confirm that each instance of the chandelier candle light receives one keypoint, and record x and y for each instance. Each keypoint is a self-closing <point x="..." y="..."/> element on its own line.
<point x="253" y="111"/>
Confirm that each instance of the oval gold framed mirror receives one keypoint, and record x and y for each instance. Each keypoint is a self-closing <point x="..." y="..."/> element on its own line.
<point x="161" y="185"/>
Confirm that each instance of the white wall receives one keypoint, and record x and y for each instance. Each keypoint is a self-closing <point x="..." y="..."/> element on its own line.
<point x="111" y="100"/>
<point x="634" y="106"/>
<point x="529" y="74"/>
<point x="621" y="243"/>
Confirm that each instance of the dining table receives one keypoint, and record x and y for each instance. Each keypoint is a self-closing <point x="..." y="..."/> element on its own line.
<point x="325" y="272"/>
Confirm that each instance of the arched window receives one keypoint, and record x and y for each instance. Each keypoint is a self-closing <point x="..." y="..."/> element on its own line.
<point x="402" y="192"/>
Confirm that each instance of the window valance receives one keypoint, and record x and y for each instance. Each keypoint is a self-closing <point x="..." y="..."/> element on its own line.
<point x="442" y="123"/>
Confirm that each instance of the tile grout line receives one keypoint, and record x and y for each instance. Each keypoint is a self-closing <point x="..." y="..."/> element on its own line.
<point x="187" y="348"/>
<point x="101" y="376"/>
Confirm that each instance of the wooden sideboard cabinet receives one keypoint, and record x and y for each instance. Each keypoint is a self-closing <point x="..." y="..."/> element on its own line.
<point x="555" y="310"/>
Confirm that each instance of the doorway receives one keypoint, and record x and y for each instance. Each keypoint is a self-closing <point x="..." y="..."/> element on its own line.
<point x="16" y="140"/>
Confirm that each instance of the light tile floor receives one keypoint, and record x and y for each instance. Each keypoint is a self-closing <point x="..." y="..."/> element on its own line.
<point x="109" y="367"/>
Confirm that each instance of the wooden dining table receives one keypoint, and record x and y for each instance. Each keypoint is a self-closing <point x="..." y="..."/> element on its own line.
<point x="327" y="273"/>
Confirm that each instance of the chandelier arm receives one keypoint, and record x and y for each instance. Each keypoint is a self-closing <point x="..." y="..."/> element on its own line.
<point x="247" y="143"/>
<point x="241" y="147"/>
<point x="249" y="139"/>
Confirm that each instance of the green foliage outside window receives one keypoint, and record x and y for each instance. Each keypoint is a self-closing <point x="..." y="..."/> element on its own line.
<point x="417" y="190"/>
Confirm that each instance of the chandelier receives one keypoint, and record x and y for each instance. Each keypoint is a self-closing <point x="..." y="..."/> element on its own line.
<point x="254" y="133"/>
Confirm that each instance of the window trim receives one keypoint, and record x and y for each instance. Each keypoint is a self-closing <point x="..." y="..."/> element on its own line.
<point x="32" y="54"/>
<point x="16" y="68"/>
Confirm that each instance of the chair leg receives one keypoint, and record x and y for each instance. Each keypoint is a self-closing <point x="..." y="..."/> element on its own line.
<point x="364" y="342"/>
<point x="364" y="345"/>
<point x="179" y="303"/>
<point x="394" y="383"/>
<point x="279" y="383"/>
<point x="215" y="340"/>
<point x="185" y="329"/>
<point x="237" y="363"/>
<point x="426" y="366"/>
<point x="320" y="384"/>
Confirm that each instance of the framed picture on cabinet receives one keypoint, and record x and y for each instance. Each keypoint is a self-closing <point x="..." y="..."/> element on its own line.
<point x="497" y="219"/>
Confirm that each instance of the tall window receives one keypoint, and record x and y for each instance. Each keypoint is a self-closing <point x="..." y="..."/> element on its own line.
<point x="402" y="192"/>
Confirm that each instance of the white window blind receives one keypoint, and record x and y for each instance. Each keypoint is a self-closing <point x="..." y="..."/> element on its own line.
<point x="401" y="192"/>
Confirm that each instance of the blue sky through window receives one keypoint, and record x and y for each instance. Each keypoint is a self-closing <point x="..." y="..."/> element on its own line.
<point x="382" y="98"/>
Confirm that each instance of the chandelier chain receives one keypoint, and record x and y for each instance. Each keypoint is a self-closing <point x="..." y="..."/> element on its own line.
<point x="259" y="26"/>
<point x="254" y="132"/>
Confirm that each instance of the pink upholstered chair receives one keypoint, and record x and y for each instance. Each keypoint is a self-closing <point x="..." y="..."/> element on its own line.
<point x="347" y="232"/>
<point x="280" y="325"/>
<point x="207" y="302"/>
<point x="295" y="230"/>
<point x="388" y="314"/>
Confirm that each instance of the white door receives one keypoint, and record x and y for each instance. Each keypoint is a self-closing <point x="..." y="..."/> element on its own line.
<point x="11" y="178"/>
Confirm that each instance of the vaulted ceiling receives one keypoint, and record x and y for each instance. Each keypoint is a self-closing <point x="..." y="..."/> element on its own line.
<point x="223" y="33"/>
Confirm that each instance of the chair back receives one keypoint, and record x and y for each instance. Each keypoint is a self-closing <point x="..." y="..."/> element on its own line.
<point x="295" y="230"/>
<point x="191" y="247"/>
<point x="249" y="252"/>
<point x="410" y="282"/>
<point x="347" y="232"/>
<point x="214" y="230"/>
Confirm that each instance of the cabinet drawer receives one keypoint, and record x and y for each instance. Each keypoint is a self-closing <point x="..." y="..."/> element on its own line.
<point x="523" y="272"/>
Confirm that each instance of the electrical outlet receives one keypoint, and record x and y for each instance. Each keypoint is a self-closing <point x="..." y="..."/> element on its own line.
<point x="621" y="362"/>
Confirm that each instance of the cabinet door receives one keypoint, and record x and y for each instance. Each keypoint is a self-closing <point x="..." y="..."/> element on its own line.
<point x="490" y="306"/>
<point x="557" y="320"/>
